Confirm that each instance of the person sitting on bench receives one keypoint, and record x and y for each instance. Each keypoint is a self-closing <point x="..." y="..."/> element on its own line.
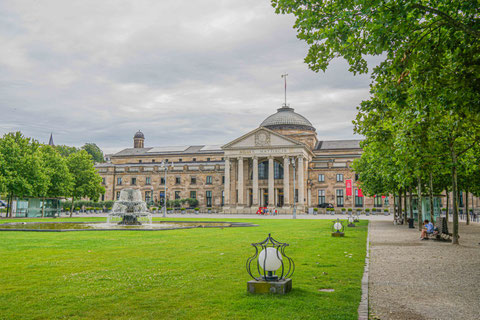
<point x="427" y="229"/>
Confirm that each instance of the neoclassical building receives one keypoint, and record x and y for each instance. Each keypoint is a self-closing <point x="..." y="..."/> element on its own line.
<point x="280" y="163"/>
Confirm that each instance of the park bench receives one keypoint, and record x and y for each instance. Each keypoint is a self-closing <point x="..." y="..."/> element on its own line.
<point x="442" y="227"/>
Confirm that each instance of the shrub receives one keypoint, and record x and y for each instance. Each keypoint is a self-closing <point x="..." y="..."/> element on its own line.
<point x="77" y="209"/>
<point x="197" y="209"/>
<point x="367" y="210"/>
<point x="350" y="209"/>
<point x="315" y="209"/>
<point x="183" y="209"/>
<point x="343" y="209"/>
<point x="385" y="210"/>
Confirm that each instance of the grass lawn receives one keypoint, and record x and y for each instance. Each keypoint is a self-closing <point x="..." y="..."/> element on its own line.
<point x="177" y="274"/>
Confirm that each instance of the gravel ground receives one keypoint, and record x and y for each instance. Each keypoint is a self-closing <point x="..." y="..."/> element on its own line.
<point x="413" y="279"/>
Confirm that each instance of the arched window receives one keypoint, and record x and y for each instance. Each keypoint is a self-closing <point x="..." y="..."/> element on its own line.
<point x="263" y="170"/>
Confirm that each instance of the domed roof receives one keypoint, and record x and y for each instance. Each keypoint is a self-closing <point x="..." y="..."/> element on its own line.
<point x="286" y="118"/>
<point x="139" y="135"/>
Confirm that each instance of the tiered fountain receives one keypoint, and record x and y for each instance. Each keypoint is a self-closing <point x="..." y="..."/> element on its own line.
<point x="130" y="208"/>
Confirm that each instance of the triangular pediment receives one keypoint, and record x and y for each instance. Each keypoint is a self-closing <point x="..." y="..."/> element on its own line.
<point x="261" y="138"/>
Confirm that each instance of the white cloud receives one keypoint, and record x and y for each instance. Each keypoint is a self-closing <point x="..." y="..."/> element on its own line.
<point x="184" y="72"/>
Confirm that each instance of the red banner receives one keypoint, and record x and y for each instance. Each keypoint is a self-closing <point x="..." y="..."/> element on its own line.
<point x="360" y="193"/>
<point x="383" y="197"/>
<point x="348" y="186"/>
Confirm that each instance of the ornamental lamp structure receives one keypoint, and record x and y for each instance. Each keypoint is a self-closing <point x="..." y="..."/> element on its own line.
<point x="351" y="221"/>
<point x="270" y="267"/>
<point x="338" y="228"/>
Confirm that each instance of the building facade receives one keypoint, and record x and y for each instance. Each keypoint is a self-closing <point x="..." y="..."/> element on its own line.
<point x="277" y="165"/>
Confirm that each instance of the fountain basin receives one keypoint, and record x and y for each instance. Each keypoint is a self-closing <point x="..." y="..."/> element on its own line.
<point x="102" y="226"/>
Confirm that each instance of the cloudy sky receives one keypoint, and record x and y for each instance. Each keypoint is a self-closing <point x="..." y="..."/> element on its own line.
<point x="184" y="72"/>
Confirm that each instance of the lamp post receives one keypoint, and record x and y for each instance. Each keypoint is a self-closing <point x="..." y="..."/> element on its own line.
<point x="164" y="166"/>
<point x="270" y="268"/>
<point x="292" y="160"/>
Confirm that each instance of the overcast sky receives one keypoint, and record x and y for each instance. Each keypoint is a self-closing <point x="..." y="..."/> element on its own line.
<point x="184" y="72"/>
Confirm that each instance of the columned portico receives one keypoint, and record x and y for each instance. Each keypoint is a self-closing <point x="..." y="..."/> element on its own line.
<point x="240" y="183"/>
<point x="286" y="181"/>
<point x="263" y="171"/>
<point x="271" y="177"/>
<point x="255" y="202"/>
<point x="226" y="191"/>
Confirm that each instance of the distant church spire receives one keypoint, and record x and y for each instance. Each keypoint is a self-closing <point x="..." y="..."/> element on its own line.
<point x="50" y="143"/>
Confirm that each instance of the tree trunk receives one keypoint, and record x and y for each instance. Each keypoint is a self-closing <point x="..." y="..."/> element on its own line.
<point x="466" y="207"/>
<point x="447" y="208"/>
<point x="405" y="206"/>
<point x="395" y="211"/>
<point x="419" y="205"/>
<point x="400" y="204"/>
<point x="455" y="196"/>
<point x="411" y="203"/>
<point x="71" y="207"/>
<point x="10" y="207"/>
<point x="431" y="198"/>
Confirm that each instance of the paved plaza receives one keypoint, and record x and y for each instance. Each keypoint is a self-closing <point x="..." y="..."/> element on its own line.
<point x="413" y="279"/>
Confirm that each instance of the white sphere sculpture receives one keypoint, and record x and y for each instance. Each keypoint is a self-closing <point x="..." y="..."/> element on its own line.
<point x="337" y="226"/>
<point x="273" y="261"/>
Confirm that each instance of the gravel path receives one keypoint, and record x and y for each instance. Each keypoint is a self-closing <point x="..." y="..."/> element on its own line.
<point x="413" y="279"/>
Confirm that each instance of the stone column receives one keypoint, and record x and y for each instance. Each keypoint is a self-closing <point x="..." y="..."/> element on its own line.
<point x="255" y="182"/>
<point x="240" y="182"/>
<point x="271" y="181"/>
<point x="301" y="181"/>
<point x="286" y="181"/>
<point x="227" y="182"/>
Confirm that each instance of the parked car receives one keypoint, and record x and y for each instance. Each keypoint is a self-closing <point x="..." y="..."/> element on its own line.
<point x="325" y="205"/>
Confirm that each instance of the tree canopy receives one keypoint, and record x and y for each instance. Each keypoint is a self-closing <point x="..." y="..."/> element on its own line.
<point x="94" y="151"/>
<point x="422" y="122"/>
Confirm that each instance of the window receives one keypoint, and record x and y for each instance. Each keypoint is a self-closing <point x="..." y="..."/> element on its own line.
<point x="148" y="196"/>
<point x="118" y="195"/>
<point x="386" y="202"/>
<point x="278" y="170"/>
<point x="103" y="197"/>
<point x="193" y="194"/>
<point x="194" y="159"/>
<point x="193" y="180"/>
<point x="339" y="197"/>
<point x="321" y="178"/>
<point x="209" y="198"/>
<point x="180" y="160"/>
<point x="134" y="181"/>
<point x="223" y="179"/>
<point x="208" y="159"/>
<point x="263" y="170"/>
<point x="356" y="176"/>
<point x="209" y="180"/>
<point x="119" y="181"/>
<point x="177" y="195"/>
<point x="178" y="180"/>
<point x="153" y="160"/>
<point x="296" y="195"/>
<point x="223" y="198"/>
<point x="339" y="177"/>
<point x="103" y="180"/>
<point x="460" y="199"/>
<point x="148" y="181"/>
<point x="321" y="196"/>
<point x="139" y="161"/>
<point x="162" y="197"/>
<point x="358" y="200"/>
<point x="162" y="180"/>
<point x="377" y="201"/>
